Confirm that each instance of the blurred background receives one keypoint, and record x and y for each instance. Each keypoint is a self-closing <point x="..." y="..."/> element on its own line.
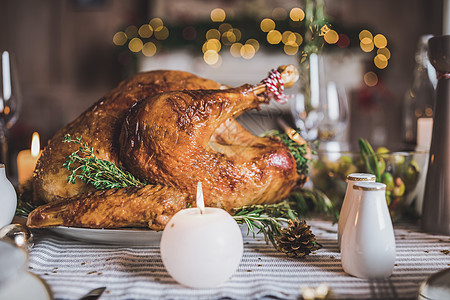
<point x="70" y="53"/>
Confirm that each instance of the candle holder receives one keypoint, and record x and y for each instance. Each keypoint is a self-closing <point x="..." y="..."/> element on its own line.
<point x="436" y="205"/>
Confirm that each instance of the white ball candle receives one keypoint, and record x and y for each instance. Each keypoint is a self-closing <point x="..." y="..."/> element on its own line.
<point x="201" y="250"/>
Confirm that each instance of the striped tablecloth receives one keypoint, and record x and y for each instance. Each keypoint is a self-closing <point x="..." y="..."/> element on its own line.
<point x="72" y="268"/>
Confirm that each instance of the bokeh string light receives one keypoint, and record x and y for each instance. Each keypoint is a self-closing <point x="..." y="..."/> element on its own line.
<point x="162" y="33"/>
<point x="287" y="29"/>
<point x="131" y="31"/>
<point x="218" y="15"/>
<point x="274" y="37"/>
<point x="135" y="45"/>
<point x="156" y="23"/>
<point x="145" y="31"/>
<point x="149" y="49"/>
<point x="235" y="49"/>
<point x="267" y="25"/>
<point x="297" y="14"/>
<point x="370" y="78"/>
<point x="213" y="34"/>
<point x="120" y="38"/>
<point x="254" y="43"/>
<point x="331" y="37"/>
<point x="368" y="43"/>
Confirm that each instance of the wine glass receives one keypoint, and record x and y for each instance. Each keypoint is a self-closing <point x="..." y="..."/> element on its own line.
<point x="334" y="112"/>
<point x="306" y="117"/>
<point x="322" y="116"/>
<point x="10" y="100"/>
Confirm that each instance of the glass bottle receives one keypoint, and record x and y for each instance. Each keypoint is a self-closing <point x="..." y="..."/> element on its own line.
<point x="419" y="99"/>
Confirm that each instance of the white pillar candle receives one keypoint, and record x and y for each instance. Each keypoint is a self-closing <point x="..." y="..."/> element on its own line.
<point x="201" y="249"/>
<point x="446" y="18"/>
<point x="27" y="159"/>
<point x="424" y="133"/>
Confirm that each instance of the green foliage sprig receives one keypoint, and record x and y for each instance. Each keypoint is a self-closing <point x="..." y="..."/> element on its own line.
<point x="24" y="208"/>
<point x="313" y="203"/>
<point x="102" y="174"/>
<point x="370" y="158"/>
<point x="267" y="219"/>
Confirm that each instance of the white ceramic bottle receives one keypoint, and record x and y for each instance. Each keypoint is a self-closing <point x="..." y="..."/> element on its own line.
<point x="8" y="198"/>
<point x="348" y="201"/>
<point x="368" y="242"/>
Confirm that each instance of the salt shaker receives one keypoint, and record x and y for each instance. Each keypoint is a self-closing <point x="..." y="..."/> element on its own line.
<point x="348" y="200"/>
<point x="368" y="242"/>
<point x="8" y="199"/>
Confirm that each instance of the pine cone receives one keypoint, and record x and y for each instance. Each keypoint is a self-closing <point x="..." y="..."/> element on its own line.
<point x="297" y="240"/>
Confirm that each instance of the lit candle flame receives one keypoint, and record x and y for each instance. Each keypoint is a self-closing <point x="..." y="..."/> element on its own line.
<point x="35" y="145"/>
<point x="200" y="201"/>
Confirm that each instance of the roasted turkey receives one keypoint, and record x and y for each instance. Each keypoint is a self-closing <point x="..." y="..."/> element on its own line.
<point x="171" y="129"/>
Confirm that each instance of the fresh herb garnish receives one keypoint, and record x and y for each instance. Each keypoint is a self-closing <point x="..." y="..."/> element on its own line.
<point x="267" y="219"/>
<point x="102" y="174"/>
<point x="313" y="202"/>
<point x="24" y="208"/>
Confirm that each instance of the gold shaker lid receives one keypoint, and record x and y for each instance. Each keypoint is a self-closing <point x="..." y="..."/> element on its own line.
<point x="369" y="186"/>
<point x="360" y="177"/>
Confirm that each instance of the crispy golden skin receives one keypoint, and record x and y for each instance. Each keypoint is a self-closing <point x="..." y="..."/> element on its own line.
<point x="150" y="206"/>
<point x="183" y="137"/>
<point x="100" y="127"/>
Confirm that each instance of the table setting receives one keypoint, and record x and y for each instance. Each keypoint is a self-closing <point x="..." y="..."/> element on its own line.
<point x="158" y="190"/>
<point x="72" y="268"/>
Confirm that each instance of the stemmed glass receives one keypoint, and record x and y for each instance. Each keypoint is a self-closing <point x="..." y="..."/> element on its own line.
<point x="306" y="117"/>
<point x="320" y="108"/>
<point x="10" y="101"/>
<point x="325" y="119"/>
<point x="334" y="113"/>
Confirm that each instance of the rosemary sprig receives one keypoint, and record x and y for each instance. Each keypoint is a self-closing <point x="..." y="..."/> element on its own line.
<point x="103" y="174"/>
<point x="24" y="208"/>
<point x="370" y="158"/>
<point x="267" y="219"/>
